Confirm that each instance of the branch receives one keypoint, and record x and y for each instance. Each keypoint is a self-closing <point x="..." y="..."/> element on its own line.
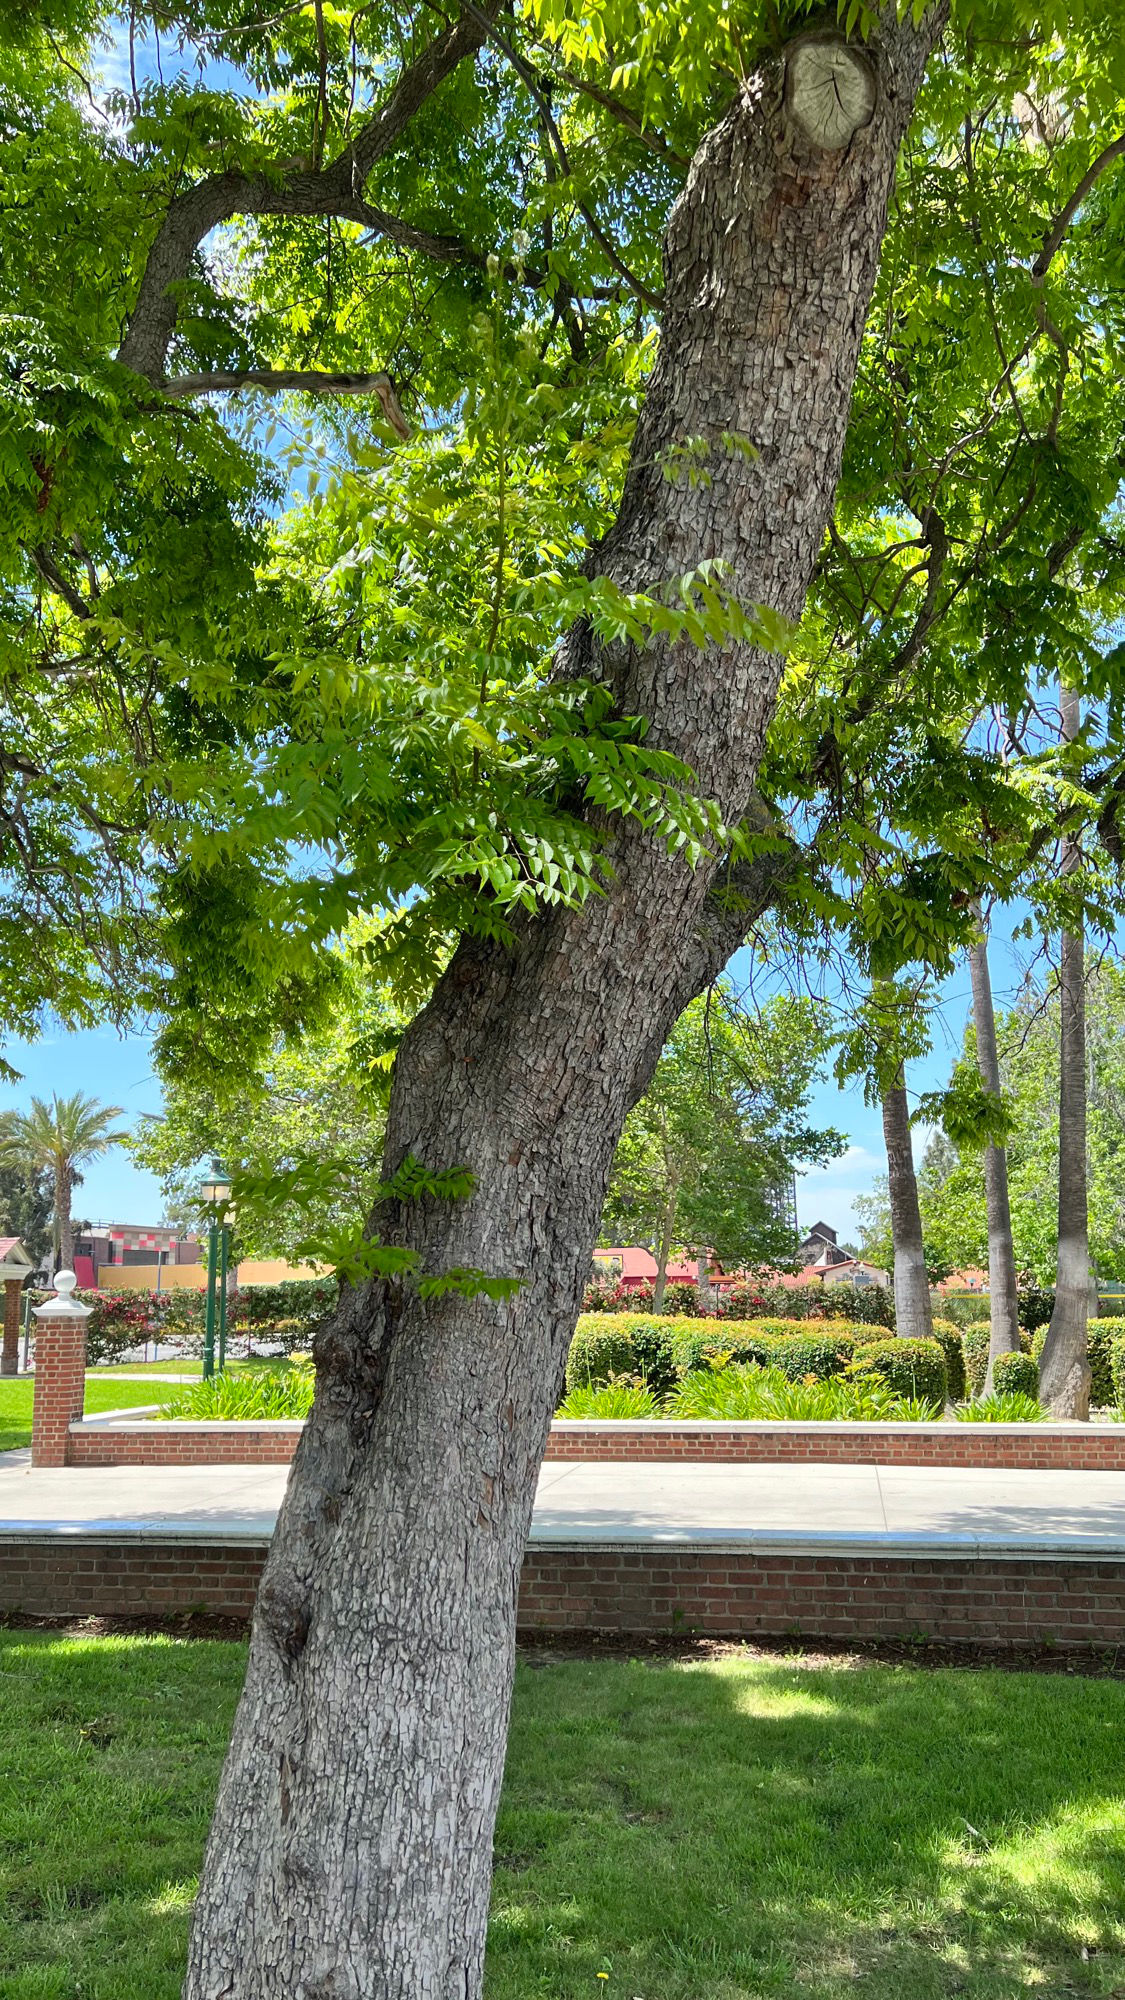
<point x="629" y="119"/>
<point x="308" y="382"/>
<point x="1053" y="239"/>
<point x="294" y="190"/>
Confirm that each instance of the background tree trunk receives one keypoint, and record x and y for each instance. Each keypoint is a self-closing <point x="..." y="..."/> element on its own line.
<point x="1064" y="1371"/>
<point x="663" y="1252"/>
<point x="1003" y="1290"/>
<point x="913" y="1312"/>
<point x="350" y="1855"/>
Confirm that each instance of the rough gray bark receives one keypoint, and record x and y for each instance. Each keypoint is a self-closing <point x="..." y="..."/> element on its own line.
<point x="1064" y="1371"/>
<point x="913" y="1312"/>
<point x="350" y="1853"/>
<point x="1004" y="1336"/>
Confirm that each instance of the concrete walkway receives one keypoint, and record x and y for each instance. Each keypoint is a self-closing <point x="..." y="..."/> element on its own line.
<point x="801" y="1508"/>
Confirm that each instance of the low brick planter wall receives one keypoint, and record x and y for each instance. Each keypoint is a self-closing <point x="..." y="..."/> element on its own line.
<point x="989" y="1447"/>
<point x="182" y="1443"/>
<point x="993" y="1447"/>
<point x="989" y="1599"/>
<point x="642" y="1590"/>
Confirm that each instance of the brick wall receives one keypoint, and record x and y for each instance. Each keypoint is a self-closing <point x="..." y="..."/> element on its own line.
<point x="1002" y="1447"/>
<point x="651" y="1590"/>
<point x="60" y="1384"/>
<point x="1014" y="1447"/>
<point x="988" y="1600"/>
<point x="183" y="1443"/>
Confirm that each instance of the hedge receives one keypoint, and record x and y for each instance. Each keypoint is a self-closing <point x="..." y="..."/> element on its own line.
<point x="662" y="1350"/>
<point x="975" y="1343"/>
<point x="1015" y="1374"/>
<point x="908" y="1367"/>
<point x="948" y="1338"/>
<point x="1117" y="1363"/>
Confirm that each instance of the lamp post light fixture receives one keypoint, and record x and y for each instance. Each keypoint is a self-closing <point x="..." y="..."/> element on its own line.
<point x="215" y="1196"/>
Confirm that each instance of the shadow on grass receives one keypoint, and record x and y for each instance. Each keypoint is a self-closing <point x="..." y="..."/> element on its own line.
<point x="697" y="1831"/>
<point x="709" y="1831"/>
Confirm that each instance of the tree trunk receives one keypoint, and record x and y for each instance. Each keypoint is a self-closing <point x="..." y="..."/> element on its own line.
<point x="1064" y="1371"/>
<point x="1003" y="1290"/>
<point x="350" y="1855"/>
<point x="64" y="1227"/>
<point x="663" y="1252"/>
<point x="913" y="1313"/>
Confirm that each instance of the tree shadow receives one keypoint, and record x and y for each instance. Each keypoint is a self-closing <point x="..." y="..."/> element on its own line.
<point x="709" y="1831"/>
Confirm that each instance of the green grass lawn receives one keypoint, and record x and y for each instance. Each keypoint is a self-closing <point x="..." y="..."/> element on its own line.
<point x="728" y="1829"/>
<point x="16" y="1399"/>
<point x="191" y="1365"/>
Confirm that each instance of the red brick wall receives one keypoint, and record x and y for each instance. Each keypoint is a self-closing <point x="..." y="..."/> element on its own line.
<point x="987" y="1600"/>
<point x="60" y="1385"/>
<point x="1030" y="1447"/>
<point x="638" y="1590"/>
<point x="1007" y="1447"/>
<point x="176" y="1444"/>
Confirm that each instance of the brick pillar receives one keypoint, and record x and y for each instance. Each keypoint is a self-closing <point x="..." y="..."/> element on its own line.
<point x="60" y="1371"/>
<point x="10" y="1355"/>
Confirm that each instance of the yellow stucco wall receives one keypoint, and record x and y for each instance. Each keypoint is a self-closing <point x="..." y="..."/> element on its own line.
<point x="193" y="1277"/>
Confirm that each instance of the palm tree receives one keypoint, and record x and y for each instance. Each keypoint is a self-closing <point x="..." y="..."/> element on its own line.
<point x="61" y="1136"/>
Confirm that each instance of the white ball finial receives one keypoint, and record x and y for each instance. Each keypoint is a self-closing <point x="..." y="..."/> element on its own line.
<point x="63" y="1306"/>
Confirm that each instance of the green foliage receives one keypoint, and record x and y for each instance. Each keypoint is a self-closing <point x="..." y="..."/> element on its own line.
<point x="269" y="1397"/>
<point x="948" y="1338"/>
<point x="1013" y="1408"/>
<point x="616" y="1399"/>
<point x="975" y="1341"/>
<point x="663" y="1350"/>
<point x="952" y="1201"/>
<point x="720" y="1129"/>
<point x="908" y="1367"/>
<point x="25" y="1207"/>
<point x="1117" y="1370"/>
<point x="1015" y="1374"/>
<point x="769" y="1394"/>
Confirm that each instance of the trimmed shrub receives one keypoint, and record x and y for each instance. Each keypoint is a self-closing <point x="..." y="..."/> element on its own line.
<point x="1009" y="1409"/>
<point x="1035" y="1305"/>
<point x="908" y="1367"/>
<point x="618" y="1400"/>
<point x="1015" y="1375"/>
<point x="974" y="1342"/>
<point x="1100" y="1336"/>
<point x="960" y="1309"/>
<point x="662" y="1350"/>
<point x="948" y="1338"/>
<point x="602" y="1347"/>
<point x="1117" y="1364"/>
<point x="862" y="1305"/>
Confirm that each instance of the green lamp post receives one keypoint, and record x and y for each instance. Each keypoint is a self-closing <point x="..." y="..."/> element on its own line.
<point x="215" y="1195"/>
